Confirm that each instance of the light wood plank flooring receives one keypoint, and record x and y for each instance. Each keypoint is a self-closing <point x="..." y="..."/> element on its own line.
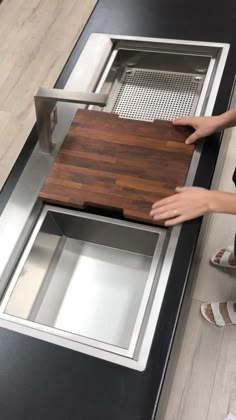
<point x="204" y="385"/>
<point x="37" y="37"/>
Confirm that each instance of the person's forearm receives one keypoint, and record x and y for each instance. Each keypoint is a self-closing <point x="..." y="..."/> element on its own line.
<point x="222" y="202"/>
<point x="228" y="119"/>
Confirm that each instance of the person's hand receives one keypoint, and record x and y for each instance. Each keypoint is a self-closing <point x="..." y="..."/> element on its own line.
<point x="186" y="204"/>
<point x="204" y="126"/>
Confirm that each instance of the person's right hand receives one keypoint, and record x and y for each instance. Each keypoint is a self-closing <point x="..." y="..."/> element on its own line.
<point x="204" y="126"/>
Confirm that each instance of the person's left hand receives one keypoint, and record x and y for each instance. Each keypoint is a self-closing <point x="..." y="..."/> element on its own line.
<point x="186" y="204"/>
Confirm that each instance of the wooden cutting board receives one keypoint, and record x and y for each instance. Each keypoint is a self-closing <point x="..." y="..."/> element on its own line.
<point x="112" y="162"/>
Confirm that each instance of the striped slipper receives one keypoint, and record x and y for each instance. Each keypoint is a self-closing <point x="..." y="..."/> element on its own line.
<point x="218" y="318"/>
<point x="224" y="259"/>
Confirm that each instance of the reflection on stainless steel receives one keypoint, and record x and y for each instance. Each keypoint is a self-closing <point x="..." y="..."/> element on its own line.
<point x="23" y="208"/>
<point x="94" y="287"/>
<point x="45" y="107"/>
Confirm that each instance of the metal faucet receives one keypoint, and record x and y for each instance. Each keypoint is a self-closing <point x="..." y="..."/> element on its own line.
<point x="45" y="101"/>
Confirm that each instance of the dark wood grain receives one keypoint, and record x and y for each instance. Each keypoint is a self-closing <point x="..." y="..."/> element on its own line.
<point x="118" y="163"/>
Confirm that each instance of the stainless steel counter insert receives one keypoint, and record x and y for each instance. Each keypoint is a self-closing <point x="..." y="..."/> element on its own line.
<point x="59" y="266"/>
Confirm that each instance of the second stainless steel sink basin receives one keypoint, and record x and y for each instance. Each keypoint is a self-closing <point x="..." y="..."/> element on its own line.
<point x="89" y="279"/>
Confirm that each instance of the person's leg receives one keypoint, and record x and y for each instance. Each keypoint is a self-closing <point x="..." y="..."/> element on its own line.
<point x="223" y="313"/>
<point x="235" y="246"/>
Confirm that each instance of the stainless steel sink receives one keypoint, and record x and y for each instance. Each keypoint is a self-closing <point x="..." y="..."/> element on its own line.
<point x="91" y="280"/>
<point x="150" y="82"/>
<point x="159" y="80"/>
<point x="90" y="283"/>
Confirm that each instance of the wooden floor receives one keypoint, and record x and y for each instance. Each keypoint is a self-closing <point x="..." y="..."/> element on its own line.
<point x="35" y="44"/>
<point x="204" y="386"/>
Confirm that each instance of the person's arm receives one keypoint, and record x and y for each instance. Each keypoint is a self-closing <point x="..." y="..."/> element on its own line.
<point x="228" y="119"/>
<point x="222" y="202"/>
<point x="191" y="202"/>
<point x="205" y="126"/>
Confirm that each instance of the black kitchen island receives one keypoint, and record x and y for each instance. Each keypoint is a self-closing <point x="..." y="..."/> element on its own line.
<point x="39" y="380"/>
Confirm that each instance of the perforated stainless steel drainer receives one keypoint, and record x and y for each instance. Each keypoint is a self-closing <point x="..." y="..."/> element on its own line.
<point x="151" y="94"/>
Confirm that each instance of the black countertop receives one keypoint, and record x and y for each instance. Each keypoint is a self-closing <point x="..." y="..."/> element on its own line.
<point x="41" y="381"/>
